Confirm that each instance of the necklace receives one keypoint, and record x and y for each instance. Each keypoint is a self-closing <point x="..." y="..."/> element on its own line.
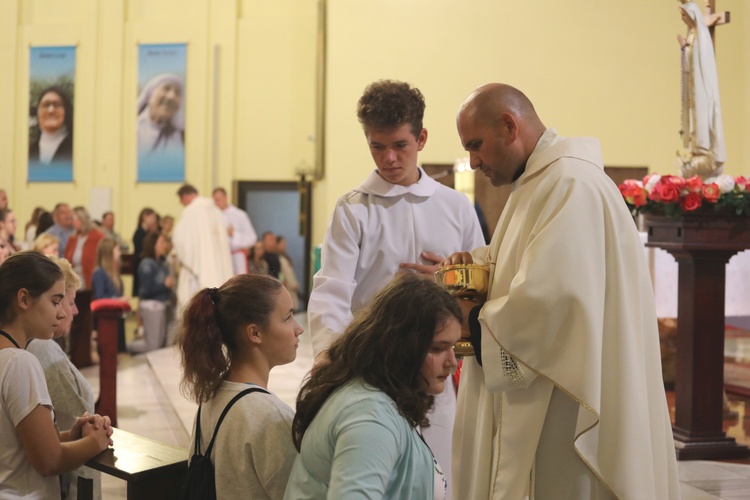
<point x="7" y="336"/>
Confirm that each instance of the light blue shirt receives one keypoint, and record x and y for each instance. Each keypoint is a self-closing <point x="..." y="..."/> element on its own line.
<point x="62" y="235"/>
<point x="358" y="446"/>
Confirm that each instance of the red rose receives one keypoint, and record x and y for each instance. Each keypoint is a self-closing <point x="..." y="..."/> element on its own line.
<point x="711" y="192"/>
<point x="741" y="184"/>
<point x="668" y="192"/>
<point x="639" y="198"/>
<point x="694" y="184"/>
<point x="633" y="192"/>
<point x="691" y="202"/>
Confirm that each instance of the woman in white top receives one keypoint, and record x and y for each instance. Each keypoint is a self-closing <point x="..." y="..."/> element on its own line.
<point x="8" y="225"/>
<point x="231" y="337"/>
<point x="32" y="451"/>
<point x="30" y="228"/>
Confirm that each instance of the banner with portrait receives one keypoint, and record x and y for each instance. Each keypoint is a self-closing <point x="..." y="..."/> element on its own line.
<point x="161" y="112"/>
<point x="51" y="98"/>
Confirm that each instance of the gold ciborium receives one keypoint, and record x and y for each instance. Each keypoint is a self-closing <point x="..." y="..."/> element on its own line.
<point x="464" y="281"/>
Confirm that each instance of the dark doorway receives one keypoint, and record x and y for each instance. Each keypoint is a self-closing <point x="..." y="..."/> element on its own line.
<point x="284" y="208"/>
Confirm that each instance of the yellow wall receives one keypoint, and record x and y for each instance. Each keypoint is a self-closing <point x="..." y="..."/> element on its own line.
<point x="607" y="69"/>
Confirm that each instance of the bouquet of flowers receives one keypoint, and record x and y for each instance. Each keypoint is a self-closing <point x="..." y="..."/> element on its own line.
<point x="674" y="196"/>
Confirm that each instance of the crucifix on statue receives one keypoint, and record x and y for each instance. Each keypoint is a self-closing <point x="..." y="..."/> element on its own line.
<point x="703" y="152"/>
<point x="714" y="18"/>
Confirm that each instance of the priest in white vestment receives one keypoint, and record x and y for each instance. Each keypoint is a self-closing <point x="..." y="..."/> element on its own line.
<point x="399" y="219"/>
<point x="564" y="399"/>
<point x="240" y="230"/>
<point x="201" y="245"/>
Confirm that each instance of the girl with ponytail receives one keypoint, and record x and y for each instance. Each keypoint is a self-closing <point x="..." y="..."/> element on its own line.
<point x="230" y="339"/>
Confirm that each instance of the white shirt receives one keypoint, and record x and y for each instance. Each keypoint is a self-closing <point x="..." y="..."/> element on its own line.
<point x="23" y="388"/>
<point x="243" y="236"/>
<point x="375" y="228"/>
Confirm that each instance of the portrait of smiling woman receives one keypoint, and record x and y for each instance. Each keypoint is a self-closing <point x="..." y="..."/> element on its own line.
<point x="54" y="118"/>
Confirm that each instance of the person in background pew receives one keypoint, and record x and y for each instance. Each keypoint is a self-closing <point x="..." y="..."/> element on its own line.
<point x="147" y="223"/>
<point x="47" y="244"/>
<point x="157" y="283"/>
<point x="81" y="247"/>
<point x="106" y="282"/>
<point x="4" y="253"/>
<point x="287" y="276"/>
<point x="8" y="224"/>
<point x="166" y="224"/>
<point x="71" y="393"/>
<point x="45" y="222"/>
<point x="255" y="261"/>
<point x="32" y="450"/>
<point x="230" y="339"/>
<point x="30" y="228"/>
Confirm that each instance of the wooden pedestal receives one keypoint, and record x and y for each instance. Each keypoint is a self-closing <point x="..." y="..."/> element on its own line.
<point x="108" y="314"/>
<point x="702" y="245"/>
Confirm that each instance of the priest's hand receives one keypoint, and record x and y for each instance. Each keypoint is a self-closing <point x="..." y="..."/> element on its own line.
<point x="457" y="258"/>
<point x="423" y="270"/>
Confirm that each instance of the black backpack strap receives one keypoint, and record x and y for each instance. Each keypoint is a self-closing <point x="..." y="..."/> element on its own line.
<point x="224" y="414"/>
<point x="198" y="432"/>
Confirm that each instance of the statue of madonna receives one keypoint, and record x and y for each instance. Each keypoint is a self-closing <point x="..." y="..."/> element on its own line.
<point x="702" y="132"/>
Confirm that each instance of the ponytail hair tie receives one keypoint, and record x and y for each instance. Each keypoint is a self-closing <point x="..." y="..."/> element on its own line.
<point x="213" y="294"/>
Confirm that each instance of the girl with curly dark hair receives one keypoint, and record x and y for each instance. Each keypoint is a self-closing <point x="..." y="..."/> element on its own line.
<point x="359" y="414"/>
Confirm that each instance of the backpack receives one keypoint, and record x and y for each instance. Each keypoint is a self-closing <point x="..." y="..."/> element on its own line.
<point x="200" y="481"/>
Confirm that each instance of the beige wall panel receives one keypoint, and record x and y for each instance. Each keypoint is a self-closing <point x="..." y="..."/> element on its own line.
<point x="275" y="89"/>
<point x="8" y="102"/>
<point x="39" y="34"/>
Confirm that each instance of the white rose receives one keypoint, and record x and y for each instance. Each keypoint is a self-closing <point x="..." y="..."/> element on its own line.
<point x="652" y="181"/>
<point x="725" y="183"/>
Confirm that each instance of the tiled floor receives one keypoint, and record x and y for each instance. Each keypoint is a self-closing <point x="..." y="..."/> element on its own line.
<point x="150" y="404"/>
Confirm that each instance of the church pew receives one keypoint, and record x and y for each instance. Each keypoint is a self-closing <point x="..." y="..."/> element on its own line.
<point x="150" y="468"/>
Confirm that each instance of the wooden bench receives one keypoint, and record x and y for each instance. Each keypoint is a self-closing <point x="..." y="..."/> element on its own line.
<point x="151" y="469"/>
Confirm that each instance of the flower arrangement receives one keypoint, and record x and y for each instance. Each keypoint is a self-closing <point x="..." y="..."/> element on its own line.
<point x="674" y="196"/>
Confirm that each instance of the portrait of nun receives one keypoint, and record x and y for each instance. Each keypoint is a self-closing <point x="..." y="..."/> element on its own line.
<point x="160" y="117"/>
<point x="54" y="118"/>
